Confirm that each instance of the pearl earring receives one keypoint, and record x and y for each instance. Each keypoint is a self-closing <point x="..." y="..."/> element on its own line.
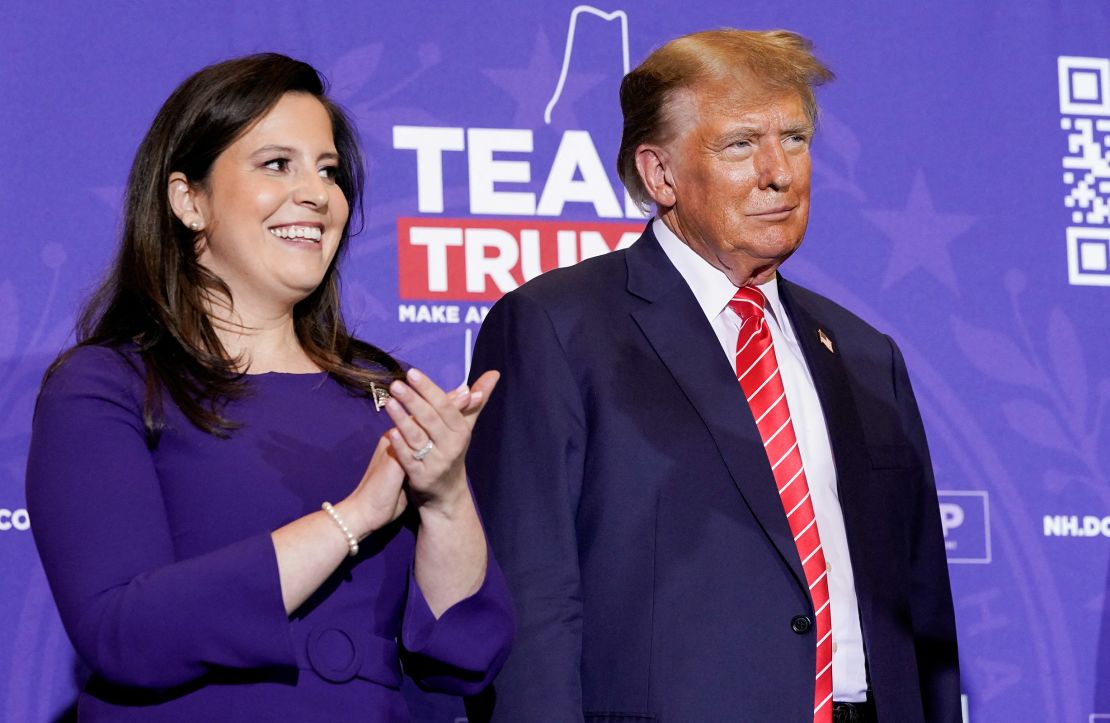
<point x="194" y="225"/>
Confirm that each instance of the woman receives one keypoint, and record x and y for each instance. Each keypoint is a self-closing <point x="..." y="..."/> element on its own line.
<point x="186" y="454"/>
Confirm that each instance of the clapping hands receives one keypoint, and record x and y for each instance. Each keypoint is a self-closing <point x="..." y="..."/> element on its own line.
<point x="423" y="455"/>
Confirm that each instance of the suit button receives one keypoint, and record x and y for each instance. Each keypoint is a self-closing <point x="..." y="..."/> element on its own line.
<point x="800" y="624"/>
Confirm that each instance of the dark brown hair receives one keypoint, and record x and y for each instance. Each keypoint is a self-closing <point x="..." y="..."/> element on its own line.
<point x="777" y="59"/>
<point x="153" y="299"/>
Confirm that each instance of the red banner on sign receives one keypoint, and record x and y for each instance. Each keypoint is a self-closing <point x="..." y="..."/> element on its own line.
<point x="475" y="259"/>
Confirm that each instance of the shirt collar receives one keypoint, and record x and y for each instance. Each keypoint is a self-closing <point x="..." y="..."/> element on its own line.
<point x="711" y="287"/>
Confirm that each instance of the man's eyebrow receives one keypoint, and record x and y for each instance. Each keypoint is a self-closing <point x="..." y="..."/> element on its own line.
<point x="741" y="131"/>
<point x="801" y="128"/>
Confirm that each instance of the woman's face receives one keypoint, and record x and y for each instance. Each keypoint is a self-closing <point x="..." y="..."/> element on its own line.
<point x="271" y="209"/>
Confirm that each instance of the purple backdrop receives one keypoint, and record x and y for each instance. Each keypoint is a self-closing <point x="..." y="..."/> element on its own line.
<point x="961" y="191"/>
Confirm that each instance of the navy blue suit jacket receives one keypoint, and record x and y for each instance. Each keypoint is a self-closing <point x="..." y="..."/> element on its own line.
<point x="630" y="501"/>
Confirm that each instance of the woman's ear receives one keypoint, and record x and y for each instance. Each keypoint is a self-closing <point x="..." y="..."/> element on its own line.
<point x="183" y="201"/>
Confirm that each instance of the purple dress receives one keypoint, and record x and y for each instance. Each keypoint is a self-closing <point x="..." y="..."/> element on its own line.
<point x="163" y="569"/>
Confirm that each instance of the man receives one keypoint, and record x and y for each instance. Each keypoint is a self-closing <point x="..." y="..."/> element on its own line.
<point x="709" y="487"/>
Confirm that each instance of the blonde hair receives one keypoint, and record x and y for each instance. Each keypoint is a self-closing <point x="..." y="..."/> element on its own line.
<point x="779" y="59"/>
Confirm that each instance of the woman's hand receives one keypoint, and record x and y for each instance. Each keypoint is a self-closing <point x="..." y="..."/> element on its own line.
<point x="431" y="436"/>
<point x="379" y="497"/>
<point x="437" y="480"/>
<point x="309" y="548"/>
<point x="428" y="446"/>
<point x="429" y="442"/>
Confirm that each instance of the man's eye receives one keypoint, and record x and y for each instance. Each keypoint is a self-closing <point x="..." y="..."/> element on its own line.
<point x="277" y="164"/>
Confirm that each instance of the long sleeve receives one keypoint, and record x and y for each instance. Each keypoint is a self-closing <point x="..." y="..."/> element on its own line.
<point x="461" y="651"/>
<point x="526" y="464"/>
<point x="136" y="614"/>
<point x="934" y="623"/>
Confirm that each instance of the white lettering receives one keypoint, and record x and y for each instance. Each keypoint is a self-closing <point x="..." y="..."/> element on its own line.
<point x="437" y="240"/>
<point x="1076" y="526"/>
<point x="429" y="313"/>
<point x="951" y="516"/>
<point x="429" y="144"/>
<point x="577" y="174"/>
<point x="504" y="256"/>
<point x="591" y="244"/>
<point x="498" y="268"/>
<point x="530" y="254"/>
<point x="476" y="314"/>
<point x="486" y="172"/>
<point x="1095" y="526"/>
<point x="567" y="244"/>
<point x="14" y="519"/>
<point x="577" y="154"/>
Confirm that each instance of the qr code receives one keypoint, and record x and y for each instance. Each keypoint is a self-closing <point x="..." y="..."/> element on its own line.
<point x="1085" y="116"/>
<point x="1087" y="170"/>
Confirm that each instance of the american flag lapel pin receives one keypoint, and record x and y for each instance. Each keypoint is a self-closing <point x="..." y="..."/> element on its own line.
<point x="380" y="395"/>
<point x="825" y="340"/>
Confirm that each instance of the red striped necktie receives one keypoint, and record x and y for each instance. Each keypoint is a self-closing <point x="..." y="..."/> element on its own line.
<point x="757" y="369"/>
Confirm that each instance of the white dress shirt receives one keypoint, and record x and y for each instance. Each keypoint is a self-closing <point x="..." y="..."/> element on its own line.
<point x="713" y="291"/>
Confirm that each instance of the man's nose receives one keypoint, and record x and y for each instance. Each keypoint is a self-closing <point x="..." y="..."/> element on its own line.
<point x="773" y="167"/>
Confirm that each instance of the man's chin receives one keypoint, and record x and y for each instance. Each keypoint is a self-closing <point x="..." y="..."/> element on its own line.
<point x="775" y="250"/>
<point x="751" y="270"/>
<point x="752" y="274"/>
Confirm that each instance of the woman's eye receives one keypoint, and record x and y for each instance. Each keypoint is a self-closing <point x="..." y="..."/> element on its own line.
<point x="329" y="172"/>
<point x="277" y="164"/>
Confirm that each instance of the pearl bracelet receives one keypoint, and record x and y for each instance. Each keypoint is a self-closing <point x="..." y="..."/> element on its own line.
<point x="352" y="543"/>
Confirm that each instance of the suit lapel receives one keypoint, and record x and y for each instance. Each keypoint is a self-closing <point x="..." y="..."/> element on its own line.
<point x="842" y="418"/>
<point x="680" y="334"/>
<point x="830" y="377"/>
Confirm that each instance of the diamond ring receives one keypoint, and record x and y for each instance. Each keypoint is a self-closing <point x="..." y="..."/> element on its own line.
<point x="421" y="453"/>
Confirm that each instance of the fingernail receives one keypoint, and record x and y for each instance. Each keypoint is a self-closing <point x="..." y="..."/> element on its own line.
<point x="398" y="389"/>
<point x="462" y="389"/>
<point x="415" y="374"/>
<point x="392" y="405"/>
<point x="475" y="397"/>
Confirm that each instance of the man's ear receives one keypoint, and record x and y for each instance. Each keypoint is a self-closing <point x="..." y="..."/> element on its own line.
<point x="183" y="200"/>
<point x="652" y="163"/>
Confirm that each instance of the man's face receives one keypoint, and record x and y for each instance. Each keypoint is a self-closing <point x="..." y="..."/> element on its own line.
<point x="738" y="166"/>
